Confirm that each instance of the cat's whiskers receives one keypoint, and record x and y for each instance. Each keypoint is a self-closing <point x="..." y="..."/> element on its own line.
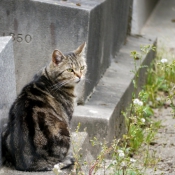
<point x="58" y="85"/>
<point x="87" y="80"/>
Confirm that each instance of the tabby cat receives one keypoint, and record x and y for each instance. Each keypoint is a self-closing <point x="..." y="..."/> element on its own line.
<point x="37" y="136"/>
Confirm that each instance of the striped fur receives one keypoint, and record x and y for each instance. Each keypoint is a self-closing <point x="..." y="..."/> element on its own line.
<point x="37" y="136"/>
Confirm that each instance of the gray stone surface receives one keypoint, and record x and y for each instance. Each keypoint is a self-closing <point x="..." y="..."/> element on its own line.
<point x="40" y="26"/>
<point x="101" y="115"/>
<point x="141" y="10"/>
<point x="7" y="79"/>
<point x="9" y="171"/>
<point x="81" y="144"/>
<point x="163" y="147"/>
<point x="161" y="24"/>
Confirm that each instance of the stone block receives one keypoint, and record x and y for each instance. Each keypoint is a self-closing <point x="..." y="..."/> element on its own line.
<point x="141" y="10"/>
<point x="40" y="26"/>
<point x="161" y="24"/>
<point x="101" y="115"/>
<point x="7" y="79"/>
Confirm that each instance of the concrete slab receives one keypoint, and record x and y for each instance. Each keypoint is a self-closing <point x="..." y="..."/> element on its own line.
<point x="101" y="114"/>
<point x="9" y="171"/>
<point x="162" y="25"/>
<point x="141" y="10"/>
<point x="40" y="26"/>
<point x="81" y="145"/>
<point x="7" y="79"/>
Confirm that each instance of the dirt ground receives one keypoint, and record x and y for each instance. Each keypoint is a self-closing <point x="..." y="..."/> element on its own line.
<point x="164" y="144"/>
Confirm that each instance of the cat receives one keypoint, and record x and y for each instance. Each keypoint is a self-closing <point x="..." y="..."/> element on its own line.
<point x="37" y="136"/>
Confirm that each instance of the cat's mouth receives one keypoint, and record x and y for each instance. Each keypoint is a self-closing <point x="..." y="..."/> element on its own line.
<point x="78" y="81"/>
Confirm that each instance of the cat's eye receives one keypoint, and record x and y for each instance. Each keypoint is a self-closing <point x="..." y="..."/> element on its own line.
<point x="70" y="70"/>
<point x="82" y="67"/>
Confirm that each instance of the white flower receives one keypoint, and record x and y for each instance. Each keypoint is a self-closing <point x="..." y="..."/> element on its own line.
<point x="121" y="153"/>
<point x="114" y="162"/>
<point x="138" y="102"/>
<point x="163" y="60"/>
<point x="57" y="170"/>
<point x="123" y="164"/>
<point x="132" y="160"/>
<point x="56" y="166"/>
<point x="142" y="120"/>
<point x="158" y="98"/>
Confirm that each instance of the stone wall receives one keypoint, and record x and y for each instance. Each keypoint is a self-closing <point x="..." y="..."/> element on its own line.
<point x="40" y="26"/>
<point x="7" y="80"/>
<point x="141" y="11"/>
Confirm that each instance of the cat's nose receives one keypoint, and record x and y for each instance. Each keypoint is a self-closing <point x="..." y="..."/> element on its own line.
<point x="79" y="78"/>
<point x="78" y="75"/>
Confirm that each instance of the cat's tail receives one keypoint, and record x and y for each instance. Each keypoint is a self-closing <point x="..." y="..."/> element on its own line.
<point x="6" y="158"/>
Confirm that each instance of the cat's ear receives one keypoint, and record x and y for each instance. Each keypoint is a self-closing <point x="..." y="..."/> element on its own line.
<point x="81" y="49"/>
<point x="57" y="57"/>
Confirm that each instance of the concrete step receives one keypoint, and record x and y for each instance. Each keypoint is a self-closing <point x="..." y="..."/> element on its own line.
<point x="141" y="11"/>
<point x="40" y="26"/>
<point x="161" y="23"/>
<point x="101" y="114"/>
<point x="7" y="80"/>
<point x="9" y="171"/>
